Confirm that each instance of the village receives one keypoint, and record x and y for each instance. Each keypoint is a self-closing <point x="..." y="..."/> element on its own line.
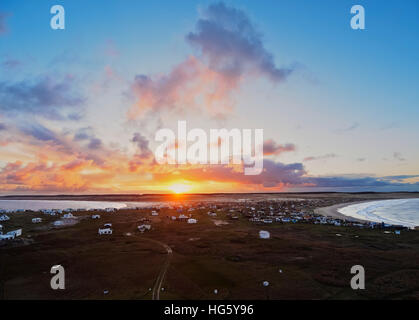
<point x="256" y="212"/>
<point x="250" y="247"/>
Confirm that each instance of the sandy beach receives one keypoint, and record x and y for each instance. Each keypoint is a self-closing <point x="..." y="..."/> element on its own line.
<point x="332" y="211"/>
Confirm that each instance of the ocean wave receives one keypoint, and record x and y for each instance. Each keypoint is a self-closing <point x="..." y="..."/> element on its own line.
<point x="397" y="212"/>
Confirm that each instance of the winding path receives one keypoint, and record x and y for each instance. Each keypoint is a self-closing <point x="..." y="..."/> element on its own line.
<point x="163" y="271"/>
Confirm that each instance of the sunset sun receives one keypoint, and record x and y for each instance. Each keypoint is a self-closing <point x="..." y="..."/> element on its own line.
<point x="179" y="188"/>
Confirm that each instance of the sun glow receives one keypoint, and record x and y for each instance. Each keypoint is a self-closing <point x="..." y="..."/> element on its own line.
<point x="180" y="188"/>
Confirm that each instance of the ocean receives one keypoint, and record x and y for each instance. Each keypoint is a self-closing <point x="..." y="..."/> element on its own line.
<point x="57" y="204"/>
<point x="398" y="212"/>
<point x="36" y="205"/>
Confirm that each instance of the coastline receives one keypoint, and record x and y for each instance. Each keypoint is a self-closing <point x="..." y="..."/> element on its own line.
<point x="332" y="211"/>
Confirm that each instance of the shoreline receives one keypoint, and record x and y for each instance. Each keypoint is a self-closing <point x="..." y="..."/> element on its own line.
<point x="332" y="211"/>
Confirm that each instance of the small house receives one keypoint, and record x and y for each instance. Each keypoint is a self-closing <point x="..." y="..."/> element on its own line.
<point x="182" y="217"/>
<point x="191" y="220"/>
<point x="105" y="231"/>
<point x="144" y="227"/>
<point x="154" y="213"/>
<point x="15" y="233"/>
<point x="4" y="217"/>
<point x="68" y="216"/>
<point x="95" y="216"/>
<point x="6" y="236"/>
<point x="36" y="220"/>
<point x="264" y="234"/>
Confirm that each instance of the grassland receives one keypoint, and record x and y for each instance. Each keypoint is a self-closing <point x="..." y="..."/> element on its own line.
<point x="300" y="261"/>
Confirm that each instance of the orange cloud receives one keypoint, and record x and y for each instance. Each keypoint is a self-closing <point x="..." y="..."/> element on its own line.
<point x="191" y="84"/>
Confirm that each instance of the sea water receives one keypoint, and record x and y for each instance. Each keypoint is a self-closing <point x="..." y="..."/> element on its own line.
<point x="397" y="212"/>
<point x="36" y="205"/>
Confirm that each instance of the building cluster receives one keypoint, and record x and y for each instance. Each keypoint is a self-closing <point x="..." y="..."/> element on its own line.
<point x="260" y="212"/>
<point x="292" y="211"/>
<point x="11" y="234"/>
<point x="284" y="211"/>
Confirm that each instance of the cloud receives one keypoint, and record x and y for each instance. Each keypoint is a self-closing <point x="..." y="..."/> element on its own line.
<point x="398" y="156"/>
<point x="83" y="134"/>
<point x="40" y="177"/>
<point x="347" y="182"/>
<point x="348" y="128"/>
<point x="143" y="155"/>
<point x="3" y="26"/>
<point x="323" y="157"/>
<point x="230" y="52"/>
<point x="270" y="147"/>
<point x="400" y="178"/>
<point x="142" y="144"/>
<point x="87" y="134"/>
<point x="11" y="63"/>
<point x="39" y="132"/>
<point x="275" y="174"/>
<point x="230" y="44"/>
<point x="390" y="125"/>
<point x="47" y="96"/>
<point x="278" y="176"/>
<point x="94" y="144"/>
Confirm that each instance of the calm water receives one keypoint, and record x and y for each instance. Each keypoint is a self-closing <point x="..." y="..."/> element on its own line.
<point x="400" y="211"/>
<point x="76" y="204"/>
<point x="57" y="204"/>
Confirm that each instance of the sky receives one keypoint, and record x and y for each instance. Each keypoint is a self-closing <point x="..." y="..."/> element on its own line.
<point x="79" y="107"/>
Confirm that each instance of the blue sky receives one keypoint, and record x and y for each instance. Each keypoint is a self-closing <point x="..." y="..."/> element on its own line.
<point x="350" y="106"/>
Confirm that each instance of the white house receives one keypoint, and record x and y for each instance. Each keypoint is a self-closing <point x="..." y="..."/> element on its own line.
<point x="182" y="217"/>
<point x="144" y="227"/>
<point x="154" y="213"/>
<point x="191" y="220"/>
<point x="68" y="216"/>
<point x="110" y="209"/>
<point x="15" y="233"/>
<point x="36" y="220"/>
<point x="6" y="236"/>
<point x="58" y="223"/>
<point x="51" y="213"/>
<point x="4" y="218"/>
<point x="264" y="234"/>
<point x="105" y="231"/>
<point x="95" y="216"/>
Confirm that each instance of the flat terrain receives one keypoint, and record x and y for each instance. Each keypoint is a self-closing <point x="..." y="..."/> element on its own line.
<point x="300" y="261"/>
